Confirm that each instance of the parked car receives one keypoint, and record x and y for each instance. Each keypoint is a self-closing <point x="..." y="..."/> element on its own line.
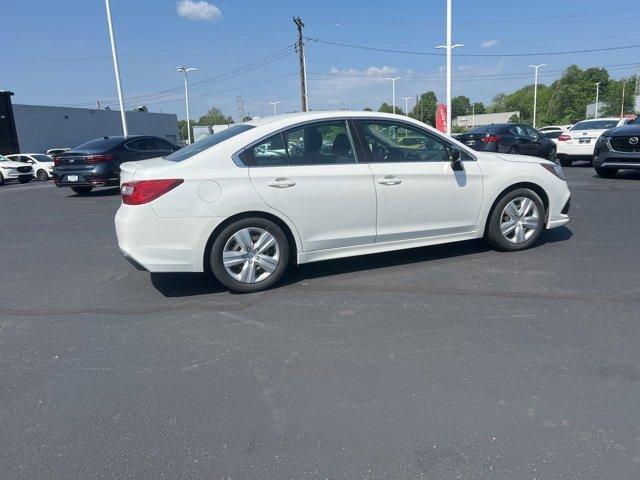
<point x="515" y="138"/>
<point x="618" y="149"/>
<point x="578" y="143"/>
<point x="554" y="128"/>
<point x="56" y="151"/>
<point x="10" y="170"/>
<point x="97" y="163"/>
<point x="42" y="164"/>
<point x="244" y="205"/>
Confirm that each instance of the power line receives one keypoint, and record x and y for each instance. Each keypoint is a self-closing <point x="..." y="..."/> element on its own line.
<point x="433" y="54"/>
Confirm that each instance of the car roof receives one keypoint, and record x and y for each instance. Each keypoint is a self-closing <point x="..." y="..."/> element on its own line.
<point x="320" y="115"/>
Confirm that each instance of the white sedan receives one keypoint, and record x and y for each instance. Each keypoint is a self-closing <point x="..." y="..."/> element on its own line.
<point x="247" y="202"/>
<point x="42" y="164"/>
<point x="579" y="141"/>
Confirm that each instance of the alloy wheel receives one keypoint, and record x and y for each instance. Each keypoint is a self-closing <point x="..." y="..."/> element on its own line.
<point x="519" y="220"/>
<point x="251" y="255"/>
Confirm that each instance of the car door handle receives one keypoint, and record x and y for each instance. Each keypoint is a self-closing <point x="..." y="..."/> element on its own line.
<point x="282" y="183"/>
<point x="389" y="180"/>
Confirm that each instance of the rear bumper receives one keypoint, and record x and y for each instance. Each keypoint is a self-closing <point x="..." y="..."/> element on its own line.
<point x="100" y="175"/>
<point x="576" y="150"/>
<point x="159" y="244"/>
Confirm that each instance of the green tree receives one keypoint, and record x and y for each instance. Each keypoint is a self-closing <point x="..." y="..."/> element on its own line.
<point x="386" y="108"/>
<point x="425" y="108"/>
<point x="367" y="109"/>
<point x="612" y="97"/>
<point x="214" y="116"/>
<point x="182" y="129"/>
<point x="460" y="105"/>
<point x="479" y="108"/>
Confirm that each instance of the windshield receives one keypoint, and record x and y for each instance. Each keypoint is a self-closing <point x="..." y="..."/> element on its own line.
<point x="595" y="125"/>
<point x="99" y="145"/>
<point x="3" y="159"/>
<point x="208" y="142"/>
<point x="43" y="158"/>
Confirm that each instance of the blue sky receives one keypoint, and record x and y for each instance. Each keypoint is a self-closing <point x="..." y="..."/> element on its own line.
<point x="58" y="52"/>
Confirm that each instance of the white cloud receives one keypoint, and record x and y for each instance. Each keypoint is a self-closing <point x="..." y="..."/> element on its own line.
<point x="489" y="43"/>
<point x="198" y="11"/>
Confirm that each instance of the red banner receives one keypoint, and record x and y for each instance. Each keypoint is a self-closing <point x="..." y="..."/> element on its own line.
<point x="441" y="117"/>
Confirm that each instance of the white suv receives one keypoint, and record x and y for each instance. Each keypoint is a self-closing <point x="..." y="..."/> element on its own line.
<point x="10" y="170"/>
<point x="42" y="164"/>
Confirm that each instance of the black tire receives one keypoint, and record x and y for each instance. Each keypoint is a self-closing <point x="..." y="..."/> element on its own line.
<point x="565" y="161"/>
<point x="42" y="175"/>
<point x="1" y="179"/>
<point x="552" y="155"/>
<point x="493" y="234"/>
<point x="513" y="150"/>
<point x="81" y="190"/>
<point x="606" y="172"/>
<point x="24" y="179"/>
<point x="217" y="249"/>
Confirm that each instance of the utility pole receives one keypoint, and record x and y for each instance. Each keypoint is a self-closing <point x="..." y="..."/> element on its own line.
<point x="97" y="104"/>
<point x="406" y="105"/>
<point x="535" y="91"/>
<point x="624" y="84"/>
<point x="240" y="108"/>
<point x="597" y="97"/>
<point x="116" y="67"/>
<point x="275" y="110"/>
<point x="186" y="70"/>
<point x="449" y="48"/>
<point x="303" y="64"/>
<point x="393" y="89"/>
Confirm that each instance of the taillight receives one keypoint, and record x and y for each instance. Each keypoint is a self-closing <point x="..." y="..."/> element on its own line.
<point x="144" y="191"/>
<point x="94" y="159"/>
<point x="491" y="139"/>
<point x="564" y="138"/>
<point x="56" y="161"/>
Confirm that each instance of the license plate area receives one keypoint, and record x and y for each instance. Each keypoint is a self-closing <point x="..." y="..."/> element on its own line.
<point x="72" y="178"/>
<point x="584" y="140"/>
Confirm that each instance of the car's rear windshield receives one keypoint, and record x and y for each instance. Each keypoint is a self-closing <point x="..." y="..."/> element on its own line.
<point x="97" y="145"/>
<point x="485" y="129"/>
<point x="208" y="142"/>
<point x="595" y="125"/>
<point x="552" y="133"/>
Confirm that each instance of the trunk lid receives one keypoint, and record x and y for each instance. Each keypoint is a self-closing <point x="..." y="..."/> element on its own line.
<point x="130" y="171"/>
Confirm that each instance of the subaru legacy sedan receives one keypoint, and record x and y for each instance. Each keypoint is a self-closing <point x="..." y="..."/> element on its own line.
<point x="246" y="203"/>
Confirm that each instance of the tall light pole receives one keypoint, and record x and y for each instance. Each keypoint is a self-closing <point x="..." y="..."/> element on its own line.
<point x="186" y="70"/>
<point x="393" y="90"/>
<point x="406" y="105"/>
<point x="624" y="84"/>
<point x="597" y="97"/>
<point x="116" y="67"/>
<point x="449" y="47"/>
<point x="275" y="111"/>
<point x="535" y="91"/>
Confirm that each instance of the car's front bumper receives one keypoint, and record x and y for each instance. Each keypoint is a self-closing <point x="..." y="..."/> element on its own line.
<point x="606" y="158"/>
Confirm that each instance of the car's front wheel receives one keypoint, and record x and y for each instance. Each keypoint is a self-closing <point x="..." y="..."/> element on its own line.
<point x="42" y="175"/>
<point x="565" y="161"/>
<point x="249" y="255"/>
<point x="606" y="172"/>
<point x="516" y="221"/>
<point x="81" y="190"/>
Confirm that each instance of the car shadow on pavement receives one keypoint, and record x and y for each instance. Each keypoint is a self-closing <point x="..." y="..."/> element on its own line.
<point x="102" y="192"/>
<point x="193" y="284"/>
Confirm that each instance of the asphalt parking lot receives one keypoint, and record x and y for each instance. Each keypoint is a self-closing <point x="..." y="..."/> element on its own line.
<point x="444" y="362"/>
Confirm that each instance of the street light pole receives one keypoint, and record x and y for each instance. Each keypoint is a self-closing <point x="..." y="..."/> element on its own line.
<point x="275" y="111"/>
<point x="449" y="48"/>
<point x="116" y="67"/>
<point x="185" y="70"/>
<point x="597" y="97"/>
<point x="393" y="89"/>
<point x="406" y="105"/>
<point x="624" y="84"/>
<point x="535" y="91"/>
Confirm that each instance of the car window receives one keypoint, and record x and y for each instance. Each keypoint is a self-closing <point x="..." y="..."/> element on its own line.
<point x="553" y="133"/>
<point x="388" y="141"/>
<point x="314" y="144"/>
<point x="159" y="144"/>
<point x="595" y="125"/>
<point x="206" y="143"/>
<point x="517" y="130"/>
<point x="98" y="145"/>
<point x="139" y="145"/>
<point x="43" y="158"/>
<point x="530" y="131"/>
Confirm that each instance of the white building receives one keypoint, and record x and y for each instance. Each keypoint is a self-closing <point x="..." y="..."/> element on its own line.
<point x="470" y="121"/>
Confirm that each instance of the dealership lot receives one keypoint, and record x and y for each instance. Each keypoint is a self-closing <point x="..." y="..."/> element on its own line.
<point x="453" y="361"/>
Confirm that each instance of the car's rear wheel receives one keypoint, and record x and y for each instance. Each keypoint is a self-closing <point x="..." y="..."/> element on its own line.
<point x="1" y="179"/>
<point x="250" y="255"/>
<point x="606" y="172"/>
<point x="42" y="175"/>
<point x="82" y="190"/>
<point x="516" y="220"/>
<point x="24" y="179"/>
<point x="565" y="161"/>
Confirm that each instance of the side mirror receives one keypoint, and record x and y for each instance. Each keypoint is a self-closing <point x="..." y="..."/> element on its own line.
<point x="455" y="156"/>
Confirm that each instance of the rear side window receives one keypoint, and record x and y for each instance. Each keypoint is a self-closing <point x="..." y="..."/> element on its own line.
<point x="98" y="145"/>
<point x="139" y="145"/>
<point x="323" y="143"/>
<point x="208" y="142"/>
<point x="160" y="144"/>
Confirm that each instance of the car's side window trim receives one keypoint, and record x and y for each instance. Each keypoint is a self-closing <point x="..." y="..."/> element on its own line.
<point x="359" y="129"/>
<point x="356" y="153"/>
